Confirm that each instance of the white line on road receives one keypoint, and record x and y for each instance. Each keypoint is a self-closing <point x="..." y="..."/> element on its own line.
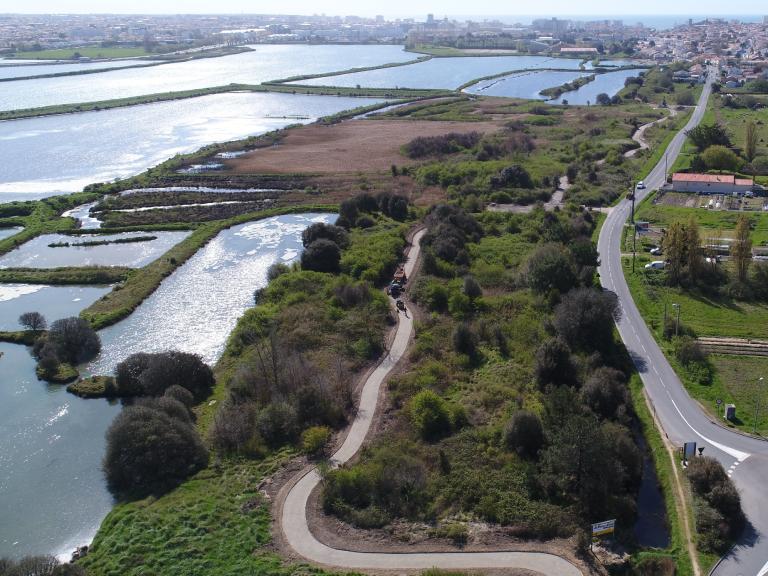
<point x="763" y="570"/>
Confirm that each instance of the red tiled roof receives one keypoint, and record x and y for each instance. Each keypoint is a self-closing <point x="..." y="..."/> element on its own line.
<point x="744" y="182"/>
<point x="704" y="178"/>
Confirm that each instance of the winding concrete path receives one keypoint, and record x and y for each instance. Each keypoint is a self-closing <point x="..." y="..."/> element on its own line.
<point x="293" y="516"/>
<point x="682" y="418"/>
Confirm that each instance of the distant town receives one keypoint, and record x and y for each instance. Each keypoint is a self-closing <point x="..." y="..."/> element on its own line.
<point x="694" y="40"/>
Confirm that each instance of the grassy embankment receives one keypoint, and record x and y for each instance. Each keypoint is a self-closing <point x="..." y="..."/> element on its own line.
<point x="557" y="91"/>
<point x="658" y="87"/>
<point x="93" y="52"/>
<point x="394" y="94"/>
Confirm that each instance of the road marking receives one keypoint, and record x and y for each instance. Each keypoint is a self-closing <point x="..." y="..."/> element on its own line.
<point x="738" y="454"/>
<point x="763" y="570"/>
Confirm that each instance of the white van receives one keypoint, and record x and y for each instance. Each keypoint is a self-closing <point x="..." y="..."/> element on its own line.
<point x="656" y="265"/>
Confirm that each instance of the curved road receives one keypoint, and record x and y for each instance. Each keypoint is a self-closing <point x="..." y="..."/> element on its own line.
<point x="683" y="420"/>
<point x="293" y="516"/>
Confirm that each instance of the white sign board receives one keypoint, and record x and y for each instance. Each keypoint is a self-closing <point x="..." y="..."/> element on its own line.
<point x="601" y="528"/>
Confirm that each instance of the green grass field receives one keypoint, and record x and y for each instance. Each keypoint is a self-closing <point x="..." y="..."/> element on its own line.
<point x="86" y="52"/>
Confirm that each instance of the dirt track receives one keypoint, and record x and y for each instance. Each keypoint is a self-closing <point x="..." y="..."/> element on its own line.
<point x="352" y="146"/>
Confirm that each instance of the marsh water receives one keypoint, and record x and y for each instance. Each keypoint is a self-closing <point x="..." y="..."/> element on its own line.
<point x="265" y="62"/>
<point x="51" y="442"/>
<point x="74" y="150"/>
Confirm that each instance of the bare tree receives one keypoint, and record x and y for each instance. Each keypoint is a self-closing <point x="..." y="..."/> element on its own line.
<point x="33" y="321"/>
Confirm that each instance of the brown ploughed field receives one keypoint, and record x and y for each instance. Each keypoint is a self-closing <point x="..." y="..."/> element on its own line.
<point x="352" y="146"/>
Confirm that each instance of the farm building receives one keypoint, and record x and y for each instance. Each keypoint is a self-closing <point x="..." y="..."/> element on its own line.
<point x="711" y="183"/>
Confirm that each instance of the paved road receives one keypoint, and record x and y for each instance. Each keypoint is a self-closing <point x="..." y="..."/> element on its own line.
<point x="682" y="418"/>
<point x="294" y="508"/>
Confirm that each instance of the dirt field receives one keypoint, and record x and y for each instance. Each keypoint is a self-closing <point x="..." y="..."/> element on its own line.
<point x="352" y="146"/>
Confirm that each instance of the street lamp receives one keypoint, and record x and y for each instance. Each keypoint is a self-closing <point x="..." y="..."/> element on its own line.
<point x="757" y="404"/>
<point x="677" y="321"/>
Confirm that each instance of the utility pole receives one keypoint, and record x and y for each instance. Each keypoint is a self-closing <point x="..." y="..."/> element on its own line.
<point x="757" y="404"/>
<point x="677" y="321"/>
<point x="664" y="326"/>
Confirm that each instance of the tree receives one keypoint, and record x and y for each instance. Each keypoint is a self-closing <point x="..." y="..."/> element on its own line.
<point x="719" y="157"/>
<point x="430" y="415"/>
<point x="693" y="247"/>
<point x="33" y="321"/>
<point x="675" y="250"/>
<point x="149" y="452"/>
<point x="74" y="340"/>
<point x="319" y="230"/>
<point x="741" y="249"/>
<point x="603" y="99"/>
<point x="472" y="288"/>
<point x="550" y="267"/>
<point x="321" y="256"/>
<point x="605" y="392"/>
<point x="705" y="135"/>
<point x="686" y="98"/>
<point x="585" y="318"/>
<point x="143" y="374"/>
<point x="514" y="176"/>
<point x="750" y="141"/>
<point x="554" y="365"/>
<point x="524" y="434"/>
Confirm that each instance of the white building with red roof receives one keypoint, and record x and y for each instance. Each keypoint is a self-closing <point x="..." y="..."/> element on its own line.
<point x="711" y="183"/>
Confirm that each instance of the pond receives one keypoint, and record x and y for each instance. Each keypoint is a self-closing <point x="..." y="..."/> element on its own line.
<point x="74" y="150"/>
<point x="266" y="62"/>
<point x="8" y="232"/>
<point x="523" y="84"/>
<point x="610" y="83"/>
<point x="9" y="70"/>
<point x="52" y="491"/>
<point x="37" y="253"/>
<point x="447" y="73"/>
<point x="226" y="271"/>
<point x="53" y="302"/>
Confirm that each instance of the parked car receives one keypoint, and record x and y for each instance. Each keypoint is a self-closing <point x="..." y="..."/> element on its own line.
<point x="656" y="265"/>
<point x="656" y="251"/>
<point x="641" y="185"/>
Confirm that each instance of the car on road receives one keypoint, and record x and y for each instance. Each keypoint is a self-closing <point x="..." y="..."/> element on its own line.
<point x="656" y="265"/>
<point x="641" y="185"/>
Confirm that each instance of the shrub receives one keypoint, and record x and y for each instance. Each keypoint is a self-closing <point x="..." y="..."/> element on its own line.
<point x="165" y="369"/>
<point x="512" y="177"/>
<point x="689" y="351"/>
<point x="524" y="434"/>
<point x="605" y="392"/>
<point x="276" y="270"/>
<point x="721" y="158"/>
<point x="321" y="256"/>
<point x="173" y="408"/>
<point x="554" y="365"/>
<point x="181" y="394"/>
<point x="430" y="415"/>
<point x="234" y="426"/>
<point x="472" y="288"/>
<point x="314" y="441"/>
<point x="74" y="340"/>
<point x="320" y="230"/>
<point x="440" y="145"/>
<point x="465" y="340"/>
<point x="550" y="267"/>
<point x="585" y="318"/>
<point x="150" y="452"/>
<point x="277" y="424"/>
<point x="129" y="371"/>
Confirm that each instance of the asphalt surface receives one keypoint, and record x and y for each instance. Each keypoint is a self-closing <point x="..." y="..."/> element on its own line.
<point x="293" y="516"/>
<point x="683" y="420"/>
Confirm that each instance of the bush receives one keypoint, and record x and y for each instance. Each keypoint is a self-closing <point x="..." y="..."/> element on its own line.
<point x="74" y="340"/>
<point x="181" y="394"/>
<point x="465" y="340"/>
<point x="524" y="434"/>
<point x="278" y="424"/>
<point x="721" y="158"/>
<point x="320" y="230"/>
<point x="440" y="145"/>
<point x="554" y="365"/>
<point x="550" y="267"/>
<point x="143" y="374"/>
<point x="234" y="427"/>
<point x="149" y="452"/>
<point x="585" y="318"/>
<point x="173" y="408"/>
<point x="314" y="441"/>
<point x="472" y="288"/>
<point x="430" y="415"/>
<point x="605" y="392"/>
<point x="321" y="256"/>
<point x="276" y="270"/>
<point x="689" y="351"/>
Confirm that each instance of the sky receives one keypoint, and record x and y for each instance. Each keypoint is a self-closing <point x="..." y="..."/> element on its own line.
<point x="392" y="8"/>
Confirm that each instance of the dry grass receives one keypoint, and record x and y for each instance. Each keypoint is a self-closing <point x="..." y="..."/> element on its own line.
<point x="353" y="146"/>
